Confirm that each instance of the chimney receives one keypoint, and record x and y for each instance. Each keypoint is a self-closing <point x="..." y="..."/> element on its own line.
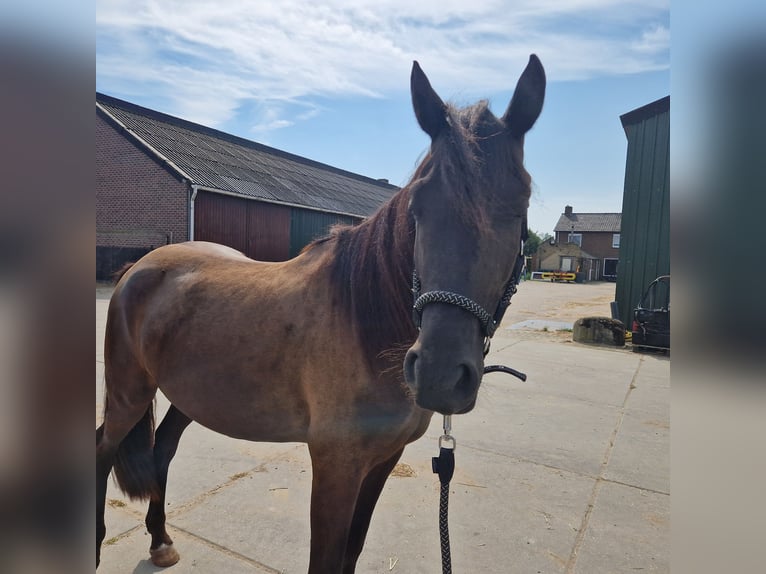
<point x="568" y="210"/>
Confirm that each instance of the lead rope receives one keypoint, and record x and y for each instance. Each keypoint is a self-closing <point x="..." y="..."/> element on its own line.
<point x="444" y="466"/>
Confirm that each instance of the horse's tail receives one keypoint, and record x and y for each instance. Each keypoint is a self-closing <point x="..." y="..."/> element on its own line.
<point x="117" y="275"/>
<point x="134" y="466"/>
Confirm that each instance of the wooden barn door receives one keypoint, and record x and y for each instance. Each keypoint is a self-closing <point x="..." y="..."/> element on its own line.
<point x="259" y="230"/>
<point x="221" y="219"/>
<point x="268" y="231"/>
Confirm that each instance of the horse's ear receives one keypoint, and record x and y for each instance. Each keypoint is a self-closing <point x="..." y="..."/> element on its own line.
<point x="527" y="101"/>
<point x="429" y="108"/>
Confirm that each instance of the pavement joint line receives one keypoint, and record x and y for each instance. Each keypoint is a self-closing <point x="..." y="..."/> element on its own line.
<point x="553" y="395"/>
<point x="559" y="468"/>
<point x="641" y="488"/>
<point x="193" y="502"/>
<point x="227" y="551"/>
<point x="202" y="497"/>
<point x="511" y="343"/>
<point x="580" y="538"/>
<point x="124" y="534"/>
<point x="566" y="470"/>
<point x="132" y="512"/>
<point x="199" y="499"/>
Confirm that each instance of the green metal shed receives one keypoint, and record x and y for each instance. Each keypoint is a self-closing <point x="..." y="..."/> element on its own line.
<point x="645" y="232"/>
<point x="307" y="225"/>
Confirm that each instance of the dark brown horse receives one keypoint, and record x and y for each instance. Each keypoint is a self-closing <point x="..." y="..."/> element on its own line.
<point x="323" y="349"/>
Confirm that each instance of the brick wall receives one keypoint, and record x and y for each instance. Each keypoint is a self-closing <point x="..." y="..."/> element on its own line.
<point x="598" y="244"/>
<point x="139" y="203"/>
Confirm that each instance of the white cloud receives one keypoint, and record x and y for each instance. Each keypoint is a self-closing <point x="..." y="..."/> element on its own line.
<point x="655" y="40"/>
<point x="271" y="119"/>
<point x="208" y="58"/>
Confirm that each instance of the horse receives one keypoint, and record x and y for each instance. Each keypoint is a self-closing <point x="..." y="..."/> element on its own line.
<point x="323" y="348"/>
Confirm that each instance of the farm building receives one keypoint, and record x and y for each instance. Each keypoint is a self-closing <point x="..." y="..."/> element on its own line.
<point x="584" y="243"/>
<point x="161" y="179"/>
<point x="645" y="204"/>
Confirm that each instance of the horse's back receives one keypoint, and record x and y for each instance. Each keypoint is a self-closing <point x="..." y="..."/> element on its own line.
<point x="177" y="264"/>
<point x="179" y="257"/>
<point x="207" y="249"/>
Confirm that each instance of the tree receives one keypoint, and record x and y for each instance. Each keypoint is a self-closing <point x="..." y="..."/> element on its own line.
<point x="534" y="241"/>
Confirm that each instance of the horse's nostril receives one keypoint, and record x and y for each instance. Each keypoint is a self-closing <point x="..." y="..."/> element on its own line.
<point x="410" y="360"/>
<point x="463" y="381"/>
<point x="467" y="383"/>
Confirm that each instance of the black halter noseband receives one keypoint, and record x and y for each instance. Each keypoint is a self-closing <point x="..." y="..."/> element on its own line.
<point x="488" y="322"/>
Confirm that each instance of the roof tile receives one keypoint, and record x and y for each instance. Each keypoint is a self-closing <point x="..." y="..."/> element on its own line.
<point x="578" y="222"/>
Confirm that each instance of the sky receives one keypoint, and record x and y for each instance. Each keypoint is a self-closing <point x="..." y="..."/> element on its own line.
<point x="329" y="79"/>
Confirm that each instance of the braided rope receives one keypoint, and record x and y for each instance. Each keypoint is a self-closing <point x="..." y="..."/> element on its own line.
<point x="510" y="291"/>
<point x="505" y="301"/>
<point x="444" y="528"/>
<point x="460" y="301"/>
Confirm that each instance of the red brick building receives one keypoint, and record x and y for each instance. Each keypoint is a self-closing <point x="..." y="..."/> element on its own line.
<point x="162" y="179"/>
<point x="585" y="243"/>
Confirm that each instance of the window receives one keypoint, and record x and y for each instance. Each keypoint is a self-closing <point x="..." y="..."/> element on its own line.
<point x="616" y="240"/>
<point x="575" y="238"/>
<point x="610" y="269"/>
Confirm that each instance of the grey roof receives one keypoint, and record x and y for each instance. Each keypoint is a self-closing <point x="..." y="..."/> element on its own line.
<point x="578" y="222"/>
<point x="221" y="161"/>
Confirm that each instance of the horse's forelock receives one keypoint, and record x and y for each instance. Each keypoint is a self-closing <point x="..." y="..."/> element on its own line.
<point x="463" y="169"/>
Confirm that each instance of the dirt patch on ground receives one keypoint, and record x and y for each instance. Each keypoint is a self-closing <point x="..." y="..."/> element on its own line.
<point x="403" y="470"/>
<point x="558" y="303"/>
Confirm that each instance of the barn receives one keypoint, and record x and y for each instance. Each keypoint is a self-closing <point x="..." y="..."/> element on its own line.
<point x="645" y="234"/>
<point x="161" y="179"/>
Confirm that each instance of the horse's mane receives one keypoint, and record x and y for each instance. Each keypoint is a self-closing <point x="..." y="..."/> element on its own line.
<point x="372" y="272"/>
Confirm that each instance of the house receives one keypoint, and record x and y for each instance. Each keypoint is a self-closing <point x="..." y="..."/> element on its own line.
<point x="161" y="179"/>
<point x="587" y="244"/>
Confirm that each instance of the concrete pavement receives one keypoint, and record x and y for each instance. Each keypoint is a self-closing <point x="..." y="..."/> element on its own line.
<point x="566" y="473"/>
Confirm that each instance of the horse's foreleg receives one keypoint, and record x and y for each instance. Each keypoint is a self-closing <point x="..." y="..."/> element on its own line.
<point x="369" y="493"/>
<point x="165" y="445"/>
<point x="337" y="478"/>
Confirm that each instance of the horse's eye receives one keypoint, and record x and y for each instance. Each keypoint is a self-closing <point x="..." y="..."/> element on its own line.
<point x="415" y="209"/>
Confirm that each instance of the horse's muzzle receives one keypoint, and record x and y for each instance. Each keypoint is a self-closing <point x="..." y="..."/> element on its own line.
<point x="441" y="384"/>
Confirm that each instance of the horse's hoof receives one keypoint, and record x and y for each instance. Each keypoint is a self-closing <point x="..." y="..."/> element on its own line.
<point x="164" y="555"/>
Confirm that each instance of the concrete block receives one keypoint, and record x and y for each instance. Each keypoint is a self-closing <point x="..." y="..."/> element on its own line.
<point x="599" y="331"/>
